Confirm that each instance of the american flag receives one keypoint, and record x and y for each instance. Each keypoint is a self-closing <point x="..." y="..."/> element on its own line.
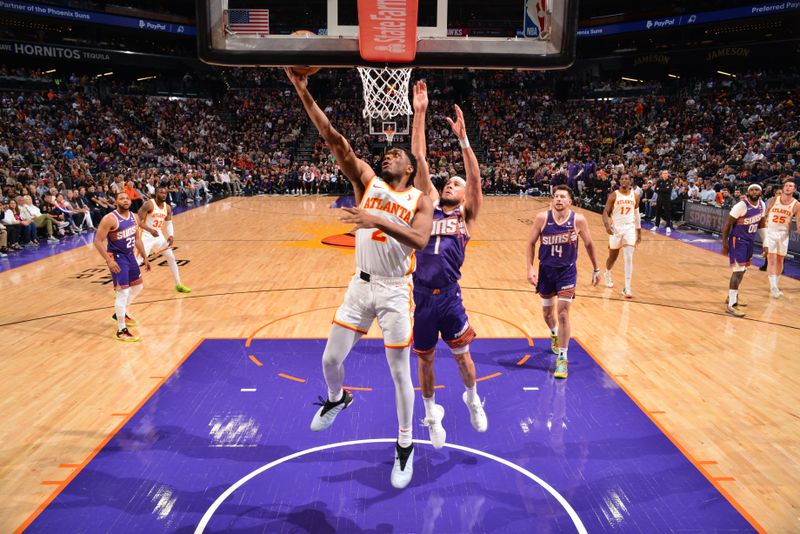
<point x="248" y="20"/>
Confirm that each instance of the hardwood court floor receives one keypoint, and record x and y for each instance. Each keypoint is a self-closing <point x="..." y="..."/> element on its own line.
<point x="726" y="390"/>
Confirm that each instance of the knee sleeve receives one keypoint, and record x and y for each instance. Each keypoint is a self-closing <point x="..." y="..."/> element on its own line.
<point x="460" y="350"/>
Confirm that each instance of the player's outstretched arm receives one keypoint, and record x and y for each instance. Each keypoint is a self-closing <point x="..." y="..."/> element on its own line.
<point x="422" y="180"/>
<point x="608" y="211"/>
<point x="356" y="170"/>
<point x="146" y="208"/>
<point x="530" y="250"/>
<point x="582" y="226"/>
<point x="416" y="236"/>
<point x="107" y="224"/>
<point x="473" y="194"/>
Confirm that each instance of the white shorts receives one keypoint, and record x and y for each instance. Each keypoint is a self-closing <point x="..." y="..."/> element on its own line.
<point x="777" y="243"/>
<point x="624" y="237"/>
<point x="390" y="300"/>
<point x="154" y="244"/>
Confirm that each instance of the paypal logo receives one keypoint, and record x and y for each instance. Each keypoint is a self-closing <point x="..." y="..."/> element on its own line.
<point x="142" y="23"/>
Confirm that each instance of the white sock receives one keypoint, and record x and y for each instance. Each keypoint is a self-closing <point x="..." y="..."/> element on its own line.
<point x="627" y="256"/>
<point x="429" y="403"/>
<point x="134" y="292"/>
<point x="173" y="265"/>
<point x="120" y="305"/>
<point x="733" y="296"/>
<point x="335" y="396"/>
<point x="553" y="331"/>
<point x="472" y="394"/>
<point x="404" y="437"/>
<point x="562" y="353"/>
<point x="773" y="281"/>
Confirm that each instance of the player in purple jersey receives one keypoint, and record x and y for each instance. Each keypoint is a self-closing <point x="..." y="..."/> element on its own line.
<point x="437" y="295"/>
<point x="121" y="228"/>
<point x="558" y="229"/>
<point x="738" y="238"/>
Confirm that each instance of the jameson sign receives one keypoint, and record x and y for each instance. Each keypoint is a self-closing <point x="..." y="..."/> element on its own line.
<point x="76" y="53"/>
<point x="712" y="219"/>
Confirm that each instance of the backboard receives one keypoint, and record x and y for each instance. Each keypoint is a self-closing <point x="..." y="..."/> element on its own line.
<point x="495" y="34"/>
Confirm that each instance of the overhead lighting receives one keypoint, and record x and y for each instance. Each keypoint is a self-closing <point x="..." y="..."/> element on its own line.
<point x="726" y="73"/>
<point x="674" y="76"/>
<point x="145" y="78"/>
<point x="104" y="74"/>
<point x="51" y="71"/>
<point x="631" y="79"/>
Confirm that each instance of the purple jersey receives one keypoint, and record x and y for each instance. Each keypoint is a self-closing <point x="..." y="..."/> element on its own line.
<point x="747" y="225"/>
<point x="559" y="246"/>
<point x="123" y="239"/>
<point x="439" y="263"/>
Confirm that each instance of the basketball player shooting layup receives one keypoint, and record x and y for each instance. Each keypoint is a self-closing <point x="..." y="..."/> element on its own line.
<point x="122" y="230"/>
<point x="154" y="215"/>
<point x="392" y="220"/>
<point x="436" y="292"/>
<point x="624" y="229"/>
<point x="559" y="229"/>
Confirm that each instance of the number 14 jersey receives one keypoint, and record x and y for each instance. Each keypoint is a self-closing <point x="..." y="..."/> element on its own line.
<point x="559" y="246"/>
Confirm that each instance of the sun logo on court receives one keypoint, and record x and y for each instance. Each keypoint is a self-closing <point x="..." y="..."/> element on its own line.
<point x="338" y="236"/>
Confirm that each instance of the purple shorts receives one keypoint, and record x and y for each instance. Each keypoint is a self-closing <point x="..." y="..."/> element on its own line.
<point x="740" y="250"/>
<point x="440" y="310"/>
<point x="129" y="273"/>
<point x="557" y="281"/>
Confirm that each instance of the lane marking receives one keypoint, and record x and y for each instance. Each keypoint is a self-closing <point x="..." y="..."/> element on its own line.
<point x="530" y="389"/>
<point x="248" y="390"/>
<point x="255" y="360"/>
<point x="487" y="377"/>
<point x="290" y="377"/>
<point x="524" y="359"/>
<point x="201" y="526"/>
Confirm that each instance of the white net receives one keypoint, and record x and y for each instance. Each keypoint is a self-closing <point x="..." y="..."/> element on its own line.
<point x="385" y="92"/>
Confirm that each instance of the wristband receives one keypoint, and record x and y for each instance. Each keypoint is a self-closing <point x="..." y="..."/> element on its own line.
<point x="168" y="227"/>
<point x="464" y="143"/>
<point x="596" y="271"/>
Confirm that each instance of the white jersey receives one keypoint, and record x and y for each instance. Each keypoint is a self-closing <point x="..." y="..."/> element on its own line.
<point x="377" y="253"/>
<point x="155" y="219"/>
<point x="624" y="213"/>
<point x="779" y="217"/>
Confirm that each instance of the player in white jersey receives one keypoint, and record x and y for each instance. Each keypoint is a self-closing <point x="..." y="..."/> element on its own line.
<point x="157" y="214"/>
<point x="780" y="210"/>
<point x="392" y="220"/>
<point x="624" y="227"/>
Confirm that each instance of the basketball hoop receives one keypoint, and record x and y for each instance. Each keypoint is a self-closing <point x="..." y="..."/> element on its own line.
<point x="385" y="92"/>
<point x="388" y="131"/>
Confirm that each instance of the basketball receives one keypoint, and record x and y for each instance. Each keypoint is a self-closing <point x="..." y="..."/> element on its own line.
<point x="304" y="70"/>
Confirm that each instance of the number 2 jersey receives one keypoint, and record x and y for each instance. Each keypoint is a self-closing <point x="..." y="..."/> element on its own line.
<point x="559" y="242"/>
<point x="377" y="253"/>
<point x="439" y="263"/>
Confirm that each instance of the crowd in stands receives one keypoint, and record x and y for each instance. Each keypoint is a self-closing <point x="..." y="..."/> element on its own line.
<point x="66" y="149"/>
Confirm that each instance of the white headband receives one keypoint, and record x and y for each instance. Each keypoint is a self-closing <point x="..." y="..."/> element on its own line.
<point x="459" y="179"/>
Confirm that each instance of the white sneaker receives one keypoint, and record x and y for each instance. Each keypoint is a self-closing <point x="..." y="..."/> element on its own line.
<point x="52" y="239"/>
<point x="403" y="468"/>
<point x="654" y="229"/>
<point x="627" y="293"/>
<point x="329" y="410"/>
<point x="669" y="230"/>
<point x="435" y="429"/>
<point x="609" y="281"/>
<point x="776" y="293"/>
<point x="476" y="414"/>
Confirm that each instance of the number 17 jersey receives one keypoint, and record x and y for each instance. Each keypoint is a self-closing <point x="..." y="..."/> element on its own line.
<point x="559" y="242"/>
